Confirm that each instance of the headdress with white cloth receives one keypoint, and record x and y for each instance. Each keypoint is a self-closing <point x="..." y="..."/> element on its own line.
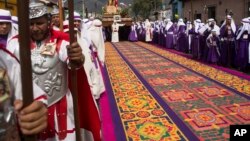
<point x="5" y="16"/>
<point x="14" y="22"/>
<point x="55" y="10"/>
<point x="197" y="25"/>
<point x="180" y="22"/>
<point x="77" y="16"/>
<point x="245" y="27"/>
<point x="233" y="26"/>
<point x="169" y="24"/>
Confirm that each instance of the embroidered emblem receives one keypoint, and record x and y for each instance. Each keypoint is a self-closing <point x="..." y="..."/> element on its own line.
<point x="48" y="49"/>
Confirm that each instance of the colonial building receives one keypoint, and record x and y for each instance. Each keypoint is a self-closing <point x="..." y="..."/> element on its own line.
<point x="177" y="8"/>
<point x="216" y="9"/>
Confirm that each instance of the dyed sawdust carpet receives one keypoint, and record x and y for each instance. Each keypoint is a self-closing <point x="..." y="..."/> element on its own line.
<point x="157" y="95"/>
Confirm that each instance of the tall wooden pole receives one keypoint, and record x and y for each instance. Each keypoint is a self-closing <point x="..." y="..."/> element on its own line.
<point x="24" y="41"/>
<point x="192" y="11"/>
<point x="73" y="72"/>
<point x="61" y="13"/>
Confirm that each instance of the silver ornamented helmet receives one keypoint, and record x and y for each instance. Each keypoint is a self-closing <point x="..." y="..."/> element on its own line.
<point x="37" y="9"/>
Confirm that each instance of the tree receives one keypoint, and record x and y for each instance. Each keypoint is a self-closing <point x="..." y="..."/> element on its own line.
<point x="124" y="12"/>
<point x="143" y="8"/>
<point x="136" y="8"/>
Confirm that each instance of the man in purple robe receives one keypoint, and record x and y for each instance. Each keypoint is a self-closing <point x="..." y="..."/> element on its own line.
<point x="7" y="31"/>
<point x="195" y="39"/>
<point x="242" y="46"/>
<point x="156" y="30"/>
<point x="182" y="40"/>
<point x="227" y="35"/>
<point x="213" y="43"/>
<point x="133" y="34"/>
<point x="161" y="38"/>
<point x="169" y="32"/>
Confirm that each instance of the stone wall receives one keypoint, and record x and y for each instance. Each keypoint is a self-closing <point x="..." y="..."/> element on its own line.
<point x="239" y="8"/>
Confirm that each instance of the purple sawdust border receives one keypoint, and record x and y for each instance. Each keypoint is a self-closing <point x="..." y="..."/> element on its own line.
<point x="112" y="124"/>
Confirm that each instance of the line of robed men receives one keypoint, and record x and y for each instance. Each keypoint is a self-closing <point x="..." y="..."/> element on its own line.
<point x="227" y="45"/>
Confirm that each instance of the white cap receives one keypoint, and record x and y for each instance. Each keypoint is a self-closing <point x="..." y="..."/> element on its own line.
<point x="245" y="20"/>
<point x="210" y="20"/>
<point x="55" y="10"/>
<point x="198" y="20"/>
<point x="77" y="16"/>
<point x="180" y="20"/>
<point x="97" y="23"/>
<point x="229" y="17"/>
<point x="5" y="16"/>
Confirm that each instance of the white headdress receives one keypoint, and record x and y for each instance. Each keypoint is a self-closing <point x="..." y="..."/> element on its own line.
<point x="77" y="16"/>
<point x="5" y="16"/>
<point x="233" y="26"/>
<point x="55" y="10"/>
<point x="245" y="27"/>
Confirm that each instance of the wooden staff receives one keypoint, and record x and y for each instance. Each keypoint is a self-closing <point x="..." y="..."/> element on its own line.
<point x="61" y="13"/>
<point x="192" y="11"/>
<point x="73" y="72"/>
<point x="25" y="61"/>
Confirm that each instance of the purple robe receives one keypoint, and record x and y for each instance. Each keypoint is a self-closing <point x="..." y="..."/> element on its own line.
<point x="242" y="51"/>
<point x="143" y="35"/>
<point x="161" y="38"/>
<point x="203" y="46"/>
<point x="182" y="41"/>
<point x="227" y="47"/>
<point x="195" y="44"/>
<point x="213" y="49"/>
<point x="3" y="40"/>
<point x="155" y="35"/>
<point x="141" y="32"/>
<point x="137" y="29"/>
<point x="133" y="35"/>
<point x="175" y="35"/>
<point x="170" y="37"/>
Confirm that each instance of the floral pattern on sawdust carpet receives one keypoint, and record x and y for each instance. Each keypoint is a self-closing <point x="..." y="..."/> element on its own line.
<point x="141" y="116"/>
<point x="205" y="106"/>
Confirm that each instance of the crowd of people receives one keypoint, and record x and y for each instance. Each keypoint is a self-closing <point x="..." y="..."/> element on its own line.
<point x="51" y="115"/>
<point x="226" y="45"/>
